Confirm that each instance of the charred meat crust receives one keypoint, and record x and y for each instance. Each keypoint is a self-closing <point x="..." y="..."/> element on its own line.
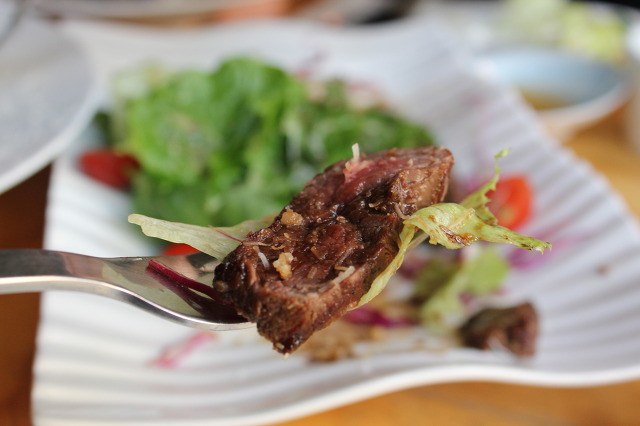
<point x="323" y="251"/>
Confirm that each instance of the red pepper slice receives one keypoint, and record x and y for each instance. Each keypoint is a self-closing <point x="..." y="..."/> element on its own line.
<point x="109" y="167"/>
<point x="178" y="248"/>
<point x="512" y="201"/>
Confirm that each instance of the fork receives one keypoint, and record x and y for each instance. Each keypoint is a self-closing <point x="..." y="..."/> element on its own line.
<point x="177" y="287"/>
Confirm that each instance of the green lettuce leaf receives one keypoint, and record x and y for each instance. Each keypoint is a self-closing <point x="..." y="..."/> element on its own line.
<point x="216" y="242"/>
<point x="478" y="200"/>
<point x="476" y="275"/>
<point x="381" y="281"/>
<point x="455" y="226"/>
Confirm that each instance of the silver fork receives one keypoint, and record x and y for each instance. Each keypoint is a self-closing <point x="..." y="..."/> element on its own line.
<point x="177" y="288"/>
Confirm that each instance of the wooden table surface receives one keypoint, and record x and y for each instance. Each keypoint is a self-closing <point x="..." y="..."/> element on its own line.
<point x="604" y="145"/>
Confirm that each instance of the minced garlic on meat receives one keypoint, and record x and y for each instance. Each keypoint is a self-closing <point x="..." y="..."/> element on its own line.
<point x="283" y="265"/>
<point x="290" y="217"/>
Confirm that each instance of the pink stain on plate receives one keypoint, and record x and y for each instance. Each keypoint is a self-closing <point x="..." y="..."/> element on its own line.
<point x="175" y="354"/>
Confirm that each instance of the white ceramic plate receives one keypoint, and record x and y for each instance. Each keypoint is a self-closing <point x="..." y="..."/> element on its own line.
<point x="48" y="96"/>
<point x="100" y="362"/>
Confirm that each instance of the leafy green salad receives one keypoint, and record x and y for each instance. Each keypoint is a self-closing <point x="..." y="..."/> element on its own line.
<point x="239" y="142"/>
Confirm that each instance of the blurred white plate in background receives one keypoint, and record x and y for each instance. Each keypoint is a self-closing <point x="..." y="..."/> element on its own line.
<point x="47" y="96"/>
<point x="105" y="370"/>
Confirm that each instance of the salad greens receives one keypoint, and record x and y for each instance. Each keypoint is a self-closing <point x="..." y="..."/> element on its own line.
<point x="442" y="283"/>
<point x="239" y="142"/>
<point x="215" y="241"/>
<point x="595" y="30"/>
<point x="454" y="226"/>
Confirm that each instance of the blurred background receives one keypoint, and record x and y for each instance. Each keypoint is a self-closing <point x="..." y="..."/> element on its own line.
<point x="574" y="65"/>
<point x="556" y="34"/>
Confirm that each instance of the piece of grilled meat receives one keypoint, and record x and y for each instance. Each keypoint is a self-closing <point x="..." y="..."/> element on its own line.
<point x="514" y="329"/>
<point x="325" y="248"/>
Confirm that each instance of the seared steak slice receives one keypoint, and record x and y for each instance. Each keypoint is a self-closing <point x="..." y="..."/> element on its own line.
<point x="323" y="251"/>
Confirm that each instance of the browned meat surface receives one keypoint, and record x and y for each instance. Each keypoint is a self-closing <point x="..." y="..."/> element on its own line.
<point x="514" y="329"/>
<point x="323" y="251"/>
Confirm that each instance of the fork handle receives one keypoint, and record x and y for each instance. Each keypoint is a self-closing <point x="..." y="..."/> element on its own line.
<point x="31" y="270"/>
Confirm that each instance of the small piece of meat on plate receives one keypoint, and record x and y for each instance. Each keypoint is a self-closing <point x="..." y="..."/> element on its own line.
<point x="514" y="329"/>
<point x="323" y="251"/>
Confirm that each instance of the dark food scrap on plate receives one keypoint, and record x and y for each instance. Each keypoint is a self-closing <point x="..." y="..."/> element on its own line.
<point x="513" y="328"/>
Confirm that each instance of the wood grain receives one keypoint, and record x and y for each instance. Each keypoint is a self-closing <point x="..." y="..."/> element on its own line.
<point x="22" y="211"/>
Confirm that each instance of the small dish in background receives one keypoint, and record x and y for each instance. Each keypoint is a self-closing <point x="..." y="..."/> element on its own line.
<point x="569" y="91"/>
